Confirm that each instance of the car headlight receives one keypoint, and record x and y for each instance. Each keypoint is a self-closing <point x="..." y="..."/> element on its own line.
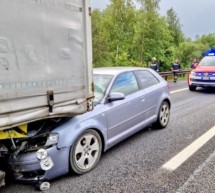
<point x="193" y="73"/>
<point x="52" y="139"/>
<point x="41" y="154"/>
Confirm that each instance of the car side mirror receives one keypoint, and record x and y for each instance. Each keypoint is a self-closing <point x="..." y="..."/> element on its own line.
<point x="115" y="96"/>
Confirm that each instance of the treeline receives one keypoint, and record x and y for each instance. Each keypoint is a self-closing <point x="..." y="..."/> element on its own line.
<point x="131" y="32"/>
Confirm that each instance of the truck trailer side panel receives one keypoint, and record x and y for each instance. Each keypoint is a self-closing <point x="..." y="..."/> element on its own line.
<point x="45" y="59"/>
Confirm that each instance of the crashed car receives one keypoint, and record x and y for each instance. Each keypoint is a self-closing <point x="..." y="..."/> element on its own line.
<point x="203" y="75"/>
<point x="126" y="101"/>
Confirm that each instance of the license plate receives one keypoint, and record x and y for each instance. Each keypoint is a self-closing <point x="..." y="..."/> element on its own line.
<point x="206" y="78"/>
<point x="46" y="164"/>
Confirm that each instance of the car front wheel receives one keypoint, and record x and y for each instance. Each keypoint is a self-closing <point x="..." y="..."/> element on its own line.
<point x="86" y="152"/>
<point x="163" y="116"/>
<point x="192" y="88"/>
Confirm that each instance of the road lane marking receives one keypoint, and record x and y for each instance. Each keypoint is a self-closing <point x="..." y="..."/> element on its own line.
<point x="197" y="174"/>
<point x="186" y="153"/>
<point x="172" y="92"/>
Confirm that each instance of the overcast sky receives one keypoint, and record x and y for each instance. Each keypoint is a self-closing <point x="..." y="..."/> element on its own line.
<point x="197" y="17"/>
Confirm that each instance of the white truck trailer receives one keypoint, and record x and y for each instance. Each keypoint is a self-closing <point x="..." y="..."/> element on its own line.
<point x="45" y="63"/>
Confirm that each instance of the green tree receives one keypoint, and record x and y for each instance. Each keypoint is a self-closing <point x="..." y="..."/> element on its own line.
<point x="188" y="50"/>
<point x="98" y="39"/>
<point x="175" y="27"/>
<point x="118" y="29"/>
<point x="208" y="40"/>
<point x="152" y="35"/>
<point x="126" y="35"/>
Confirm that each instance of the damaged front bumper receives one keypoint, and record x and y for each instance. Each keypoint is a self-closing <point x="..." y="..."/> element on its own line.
<point x="31" y="151"/>
<point x="26" y="167"/>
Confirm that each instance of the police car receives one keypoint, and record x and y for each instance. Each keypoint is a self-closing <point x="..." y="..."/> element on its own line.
<point x="204" y="73"/>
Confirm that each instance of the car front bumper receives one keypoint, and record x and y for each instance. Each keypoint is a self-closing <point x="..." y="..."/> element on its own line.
<point x="205" y="85"/>
<point x="26" y="167"/>
<point x="201" y="83"/>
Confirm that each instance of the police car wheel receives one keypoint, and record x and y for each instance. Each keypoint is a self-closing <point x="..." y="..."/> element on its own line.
<point x="192" y="88"/>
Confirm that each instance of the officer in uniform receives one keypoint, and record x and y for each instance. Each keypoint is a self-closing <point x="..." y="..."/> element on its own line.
<point x="154" y="65"/>
<point x="176" y="67"/>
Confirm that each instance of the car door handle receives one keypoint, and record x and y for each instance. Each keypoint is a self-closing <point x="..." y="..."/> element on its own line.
<point x="142" y="99"/>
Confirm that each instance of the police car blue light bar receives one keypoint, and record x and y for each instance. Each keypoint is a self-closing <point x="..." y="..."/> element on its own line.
<point x="210" y="52"/>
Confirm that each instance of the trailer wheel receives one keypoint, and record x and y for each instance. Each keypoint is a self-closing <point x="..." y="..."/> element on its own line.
<point x="85" y="152"/>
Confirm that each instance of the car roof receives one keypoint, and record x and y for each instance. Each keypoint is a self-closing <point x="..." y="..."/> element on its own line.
<point x="114" y="70"/>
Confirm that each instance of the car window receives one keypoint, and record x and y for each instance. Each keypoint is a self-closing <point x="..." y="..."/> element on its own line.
<point x="208" y="61"/>
<point x="146" y="78"/>
<point x="101" y="83"/>
<point x="125" y="83"/>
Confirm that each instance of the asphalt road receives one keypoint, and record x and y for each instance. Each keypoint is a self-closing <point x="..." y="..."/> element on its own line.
<point x="136" y="164"/>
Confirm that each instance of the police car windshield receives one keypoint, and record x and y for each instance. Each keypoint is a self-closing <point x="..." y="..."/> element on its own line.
<point x="207" y="61"/>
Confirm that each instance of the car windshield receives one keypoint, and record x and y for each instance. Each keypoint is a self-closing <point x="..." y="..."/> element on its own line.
<point x="101" y="83"/>
<point x="208" y="61"/>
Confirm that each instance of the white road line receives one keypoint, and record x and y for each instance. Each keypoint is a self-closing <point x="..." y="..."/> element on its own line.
<point x="172" y="92"/>
<point x="197" y="173"/>
<point x="181" y="157"/>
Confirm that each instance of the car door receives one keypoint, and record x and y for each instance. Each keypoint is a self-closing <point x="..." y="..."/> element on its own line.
<point x="124" y="115"/>
<point x="152" y="91"/>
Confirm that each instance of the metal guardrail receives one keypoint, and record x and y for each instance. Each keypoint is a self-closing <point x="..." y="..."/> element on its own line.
<point x="170" y="74"/>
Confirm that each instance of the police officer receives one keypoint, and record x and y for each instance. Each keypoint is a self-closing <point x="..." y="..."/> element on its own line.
<point x="194" y="64"/>
<point x="176" y="67"/>
<point x="154" y="65"/>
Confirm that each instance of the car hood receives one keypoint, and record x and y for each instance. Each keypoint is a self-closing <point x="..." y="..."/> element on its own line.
<point x="204" y="69"/>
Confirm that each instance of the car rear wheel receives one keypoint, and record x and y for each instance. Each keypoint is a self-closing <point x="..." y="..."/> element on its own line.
<point x="192" y="88"/>
<point x="163" y="116"/>
<point x="86" y="152"/>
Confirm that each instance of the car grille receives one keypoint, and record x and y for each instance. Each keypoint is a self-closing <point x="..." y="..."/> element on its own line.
<point x="202" y="74"/>
<point x="205" y="81"/>
<point x="203" y="77"/>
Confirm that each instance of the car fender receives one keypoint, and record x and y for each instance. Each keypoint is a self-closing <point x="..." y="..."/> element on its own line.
<point x="68" y="133"/>
<point x="163" y="97"/>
